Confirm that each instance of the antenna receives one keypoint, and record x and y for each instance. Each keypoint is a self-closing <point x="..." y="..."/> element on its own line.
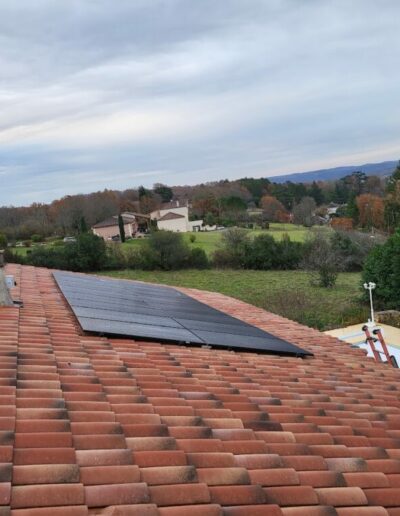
<point x="371" y="286"/>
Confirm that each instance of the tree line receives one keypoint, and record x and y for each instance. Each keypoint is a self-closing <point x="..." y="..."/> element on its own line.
<point x="368" y="201"/>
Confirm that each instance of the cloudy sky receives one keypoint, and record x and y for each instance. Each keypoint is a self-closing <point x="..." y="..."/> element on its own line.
<point x="113" y="94"/>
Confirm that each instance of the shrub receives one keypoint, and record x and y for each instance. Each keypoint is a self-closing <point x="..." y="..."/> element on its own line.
<point x="262" y="253"/>
<point x="382" y="267"/>
<point x="233" y="248"/>
<point x="198" y="259"/>
<point x="353" y="247"/>
<point x="165" y="250"/>
<point x="321" y="260"/>
<point x="192" y="238"/>
<point x="58" y="243"/>
<point x="134" y="258"/>
<point x="88" y="253"/>
<point x="3" y="241"/>
<point x="116" y="258"/>
<point x="11" y="257"/>
<point x="37" y="238"/>
<point x="290" y="253"/>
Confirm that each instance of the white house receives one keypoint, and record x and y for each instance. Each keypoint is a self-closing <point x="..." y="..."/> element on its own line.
<point x="175" y="217"/>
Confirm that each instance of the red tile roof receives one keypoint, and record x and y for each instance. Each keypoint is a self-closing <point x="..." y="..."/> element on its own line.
<point x="171" y="216"/>
<point x="93" y="425"/>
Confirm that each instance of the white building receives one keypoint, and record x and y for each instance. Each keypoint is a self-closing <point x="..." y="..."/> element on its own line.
<point x="175" y="217"/>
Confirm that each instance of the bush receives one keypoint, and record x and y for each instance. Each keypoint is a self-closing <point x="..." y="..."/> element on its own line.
<point x="3" y="241"/>
<point x="233" y="249"/>
<point x="383" y="268"/>
<point x="321" y="260"/>
<point x="116" y="258"/>
<point x="262" y="253"/>
<point x="133" y="258"/>
<point x="353" y="247"/>
<point x="165" y="250"/>
<point x="11" y="257"/>
<point x="192" y="238"/>
<point x="88" y="253"/>
<point x="198" y="259"/>
<point x="36" y="238"/>
<point x="290" y="253"/>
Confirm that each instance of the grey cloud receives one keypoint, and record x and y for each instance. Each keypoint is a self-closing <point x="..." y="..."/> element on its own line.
<point x="115" y="94"/>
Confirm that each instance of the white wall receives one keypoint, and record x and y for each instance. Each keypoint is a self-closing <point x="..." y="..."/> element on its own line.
<point x="177" y="225"/>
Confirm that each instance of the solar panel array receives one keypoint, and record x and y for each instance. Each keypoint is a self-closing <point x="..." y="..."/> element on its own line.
<point x="152" y="312"/>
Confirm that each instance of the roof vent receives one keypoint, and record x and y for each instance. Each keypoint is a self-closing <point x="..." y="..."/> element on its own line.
<point x="5" y="298"/>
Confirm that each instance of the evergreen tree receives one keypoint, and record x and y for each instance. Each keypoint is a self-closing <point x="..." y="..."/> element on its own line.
<point x="165" y="192"/>
<point x="352" y="210"/>
<point x="316" y="193"/>
<point x="83" y="228"/>
<point x="394" y="178"/>
<point x="392" y="215"/>
<point x="121" y="228"/>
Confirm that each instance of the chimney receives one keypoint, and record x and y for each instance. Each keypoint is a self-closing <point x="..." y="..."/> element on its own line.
<point x="5" y="298"/>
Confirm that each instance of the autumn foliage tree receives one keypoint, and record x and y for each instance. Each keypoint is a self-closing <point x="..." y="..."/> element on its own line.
<point x="273" y="210"/>
<point x="371" y="211"/>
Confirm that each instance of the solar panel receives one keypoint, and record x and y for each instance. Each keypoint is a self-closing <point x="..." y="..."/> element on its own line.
<point x="144" y="311"/>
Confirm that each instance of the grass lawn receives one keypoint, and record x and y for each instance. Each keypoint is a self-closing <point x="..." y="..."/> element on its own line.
<point x="287" y="293"/>
<point x="209" y="240"/>
<point x="19" y="250"/>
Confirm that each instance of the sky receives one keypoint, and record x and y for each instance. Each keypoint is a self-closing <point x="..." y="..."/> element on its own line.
<point x="101" y="94"/>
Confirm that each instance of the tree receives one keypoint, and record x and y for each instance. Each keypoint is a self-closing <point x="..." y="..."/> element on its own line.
<point x="393" y="180"/>
<point x="304" y="211"/>
<point x="205" y="203"/>
<point x="352" y="211"/>
<point x="316" y="193"/>
<point x="82" y="225"/>
<point x="371" y="211"/>
<point x="342" y="223"/>
<point x="273" y="210"/>
<point x="121" y="228"/>
<point x="164" y="191"/>
<point x="209" y="219"/>
<point x="256" y="187"/>
<point x="322" y="260"/>
<point x="382" y="267"/>
<point x="391" y="215"/>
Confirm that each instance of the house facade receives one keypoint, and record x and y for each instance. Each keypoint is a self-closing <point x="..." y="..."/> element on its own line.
<point x="109" y="228"/>
<point x="173" y="216"/>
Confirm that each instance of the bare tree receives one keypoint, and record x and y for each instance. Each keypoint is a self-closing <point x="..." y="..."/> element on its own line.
<point x="303" y="212"/>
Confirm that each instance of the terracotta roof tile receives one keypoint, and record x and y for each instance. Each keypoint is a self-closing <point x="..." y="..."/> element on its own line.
<point x="91" y="424"/>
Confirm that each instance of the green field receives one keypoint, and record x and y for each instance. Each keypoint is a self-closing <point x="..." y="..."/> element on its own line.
<point x="287" y="293"/>
<point x="209" y="240"/>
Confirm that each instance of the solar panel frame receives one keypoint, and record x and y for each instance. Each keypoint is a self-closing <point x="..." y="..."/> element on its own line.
<point x="148" y="312"/>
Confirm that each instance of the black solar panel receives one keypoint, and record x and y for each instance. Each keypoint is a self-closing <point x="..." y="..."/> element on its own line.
<point x="130" y="308"/>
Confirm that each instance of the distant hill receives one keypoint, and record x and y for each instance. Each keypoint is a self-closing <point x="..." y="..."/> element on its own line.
<point x="330" y="174"/>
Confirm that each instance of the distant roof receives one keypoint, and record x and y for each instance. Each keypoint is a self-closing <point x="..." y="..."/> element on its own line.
<point x="95" y="425"/>
<point x="171" y="215"/>
<point x="127" y="217"/>
<point x="136" y="215"/>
